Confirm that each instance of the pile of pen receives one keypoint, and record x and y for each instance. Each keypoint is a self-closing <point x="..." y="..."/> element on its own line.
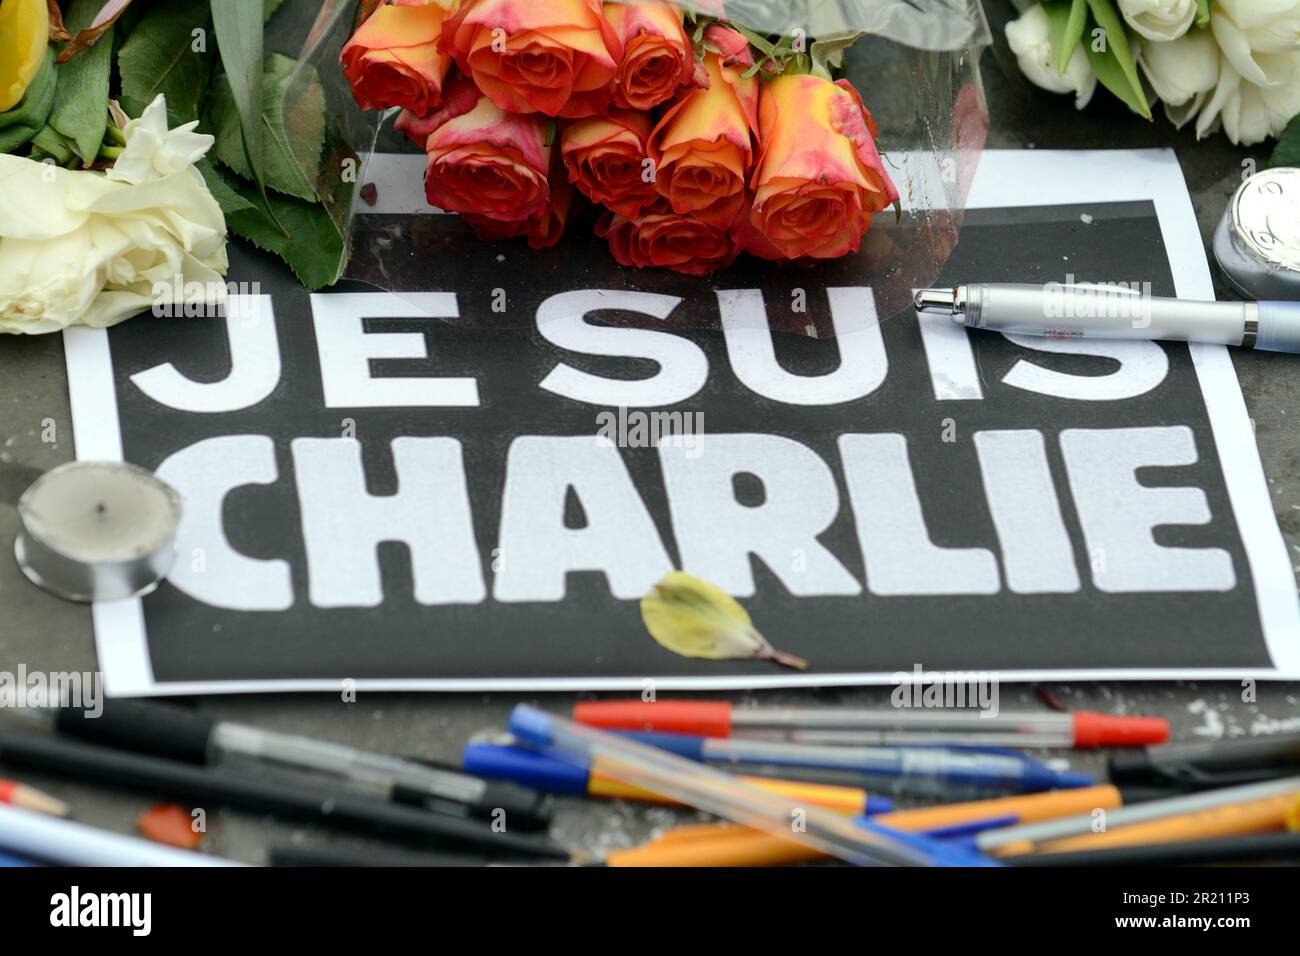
<point x="797" y="785"/>
<point x="789" y="785"/>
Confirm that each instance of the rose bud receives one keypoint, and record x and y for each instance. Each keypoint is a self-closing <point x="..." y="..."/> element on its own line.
<point x="490" y="163"/>
<point x="394" y="58"/>
<point x="658" y="57"/>
<point x="820" y="178"/>
<point x="542" y="231"/>
<point x="605" y="157"/>
<point x="703" y="147"/>
<point x="459" y="96"/>
<point x="537" y="56"/>
<point x="661" y="238"/>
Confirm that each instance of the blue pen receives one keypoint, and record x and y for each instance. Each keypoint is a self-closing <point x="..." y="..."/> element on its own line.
<point x="939" y="852"/>
<point x="570" y="776"/>
<point x="929" y="770"/>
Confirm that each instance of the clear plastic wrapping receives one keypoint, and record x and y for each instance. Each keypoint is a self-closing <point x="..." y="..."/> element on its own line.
<point x="917" y="67"/>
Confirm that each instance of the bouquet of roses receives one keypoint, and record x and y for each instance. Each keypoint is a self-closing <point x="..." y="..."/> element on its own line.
<point x="698" y="138"/>
<point x="1233" y="64"/>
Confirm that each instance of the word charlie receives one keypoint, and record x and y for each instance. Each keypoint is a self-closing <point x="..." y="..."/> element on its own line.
<point x="865" y="473"/>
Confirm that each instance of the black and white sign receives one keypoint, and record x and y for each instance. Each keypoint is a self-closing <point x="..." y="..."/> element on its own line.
<point x="393" y="490"/>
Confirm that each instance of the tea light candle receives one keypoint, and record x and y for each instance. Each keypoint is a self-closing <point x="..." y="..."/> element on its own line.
<point x="97" y="531"/>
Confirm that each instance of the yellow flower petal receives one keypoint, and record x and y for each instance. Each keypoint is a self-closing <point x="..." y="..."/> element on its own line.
<point x="24" y="36"/>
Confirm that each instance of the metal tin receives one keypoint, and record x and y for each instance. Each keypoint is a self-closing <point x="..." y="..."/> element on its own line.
<point x="97" y="531"/>
<point x="1258" y="241"/>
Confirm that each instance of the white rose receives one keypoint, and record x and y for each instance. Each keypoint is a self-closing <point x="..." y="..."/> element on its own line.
<point x="1249" y="31"/>
<point x="153" y="151"/>
<point x="1159" y="19"/>
<point x="82" y="247"/>
<point x="1031" y="42"/>
<point x="1182" y="72"/>
<point x="1250" y="113"/>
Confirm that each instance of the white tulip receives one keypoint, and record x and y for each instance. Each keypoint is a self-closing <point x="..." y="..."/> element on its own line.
<point x="1031" y="42"/>
<point x="1250" y="113"/>
<point x="82" y="247"/>
<point x="1159" y="19"/>
<point x="1249" y="30"/>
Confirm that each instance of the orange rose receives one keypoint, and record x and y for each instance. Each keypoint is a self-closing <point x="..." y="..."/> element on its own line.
<point x="658" y="57"/>
<point x="819" y="178"/>
<point x="606" y="159"/>
<point x="489" y="163"/>
<point x="664" y="239"/>
<point x="394" y="58"/>
<point x="537" y="56"/>
<point x="542" y="231"/>
<point x="459" y="96"/>
<point x="703" y="147"/>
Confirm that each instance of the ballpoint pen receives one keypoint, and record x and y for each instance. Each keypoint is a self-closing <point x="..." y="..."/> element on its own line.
<point x="543" y="771"/>
<point x="1201" y="766"/>
<point x="917" y="769"/>
<point x="47" y="839"/>
<point x="1111" y="312"/>
<point x="834" y="725"/>
<point x="186" y="735"/>
<point x="1228" y="820"/>
<point x="324" y="805"/>
<point x="1023" y="839"/>
<point x="730" y="845"/>
<point x="713" y="791"/>
<point x="1252" y="848"/>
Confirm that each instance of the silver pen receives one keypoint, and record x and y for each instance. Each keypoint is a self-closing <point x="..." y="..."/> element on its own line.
<point x="1062" y="311"/>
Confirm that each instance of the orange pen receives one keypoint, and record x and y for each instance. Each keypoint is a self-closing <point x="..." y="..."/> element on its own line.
<point x="1237" y="819"/>
<point x="850" y="801"/>
<point x="551" y="775"/>
<point x="730" y="845"/>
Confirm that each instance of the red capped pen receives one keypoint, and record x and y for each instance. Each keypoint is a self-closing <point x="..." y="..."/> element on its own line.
<point x="852" y="727"/>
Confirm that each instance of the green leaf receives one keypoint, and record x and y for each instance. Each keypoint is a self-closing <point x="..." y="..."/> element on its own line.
<point x="81" y="104"/>
<point x="1288" y="146"/>
<point x="226" y="196"/>
<point x="757" y="39"/>
<point x="1203" y="13"/>
<point x="54" y="145"/>
<point x="283" y="174"/>
<point x="269" y="8"/>
<point x="1117" y="68"/>
<point x="308" y="240"/>
<point x="1066" y="19"/>
<point x="13" y="138"/>
<point x="239" y="38"/>
<point x="160" y="57"/>
<point x="828" y="53"/>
